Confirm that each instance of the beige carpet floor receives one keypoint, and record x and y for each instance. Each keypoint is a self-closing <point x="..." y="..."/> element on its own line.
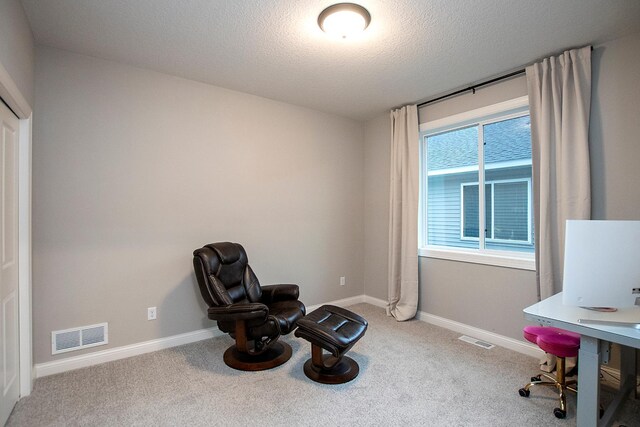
<point x="412" y="374"/>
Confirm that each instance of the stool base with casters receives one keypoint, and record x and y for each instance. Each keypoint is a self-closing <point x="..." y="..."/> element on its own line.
<point x="561" y="344"/>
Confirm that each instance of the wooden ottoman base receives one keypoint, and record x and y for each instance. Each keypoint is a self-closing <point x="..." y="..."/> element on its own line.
<point x="327" y="369"/>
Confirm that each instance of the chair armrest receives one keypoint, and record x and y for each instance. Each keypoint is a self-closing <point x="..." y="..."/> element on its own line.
<point x="275" y="293"/>
<point x="243" y="311"/>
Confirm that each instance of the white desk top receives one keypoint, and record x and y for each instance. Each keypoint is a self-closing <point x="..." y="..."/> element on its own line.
<point x="552" y="312"/>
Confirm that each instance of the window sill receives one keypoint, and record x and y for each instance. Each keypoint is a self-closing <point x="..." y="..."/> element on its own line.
<point x="511" y="260"/>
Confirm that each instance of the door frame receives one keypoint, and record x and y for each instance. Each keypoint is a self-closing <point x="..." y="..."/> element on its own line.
<point x="12" y="96"/>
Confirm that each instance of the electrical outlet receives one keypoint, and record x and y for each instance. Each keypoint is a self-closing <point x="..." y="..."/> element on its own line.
<point x="342" y="281"/>
<point x="151" y="313"/>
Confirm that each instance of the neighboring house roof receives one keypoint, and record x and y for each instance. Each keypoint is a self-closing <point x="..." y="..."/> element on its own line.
<point x="505" y="141"/>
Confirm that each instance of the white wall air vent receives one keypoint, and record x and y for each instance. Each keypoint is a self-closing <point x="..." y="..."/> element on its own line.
<point x="78" y="338"/>
<point x="477" y="342"/>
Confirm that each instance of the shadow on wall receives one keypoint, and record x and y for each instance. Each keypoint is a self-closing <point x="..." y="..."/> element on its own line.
<point x="178" y="309"/>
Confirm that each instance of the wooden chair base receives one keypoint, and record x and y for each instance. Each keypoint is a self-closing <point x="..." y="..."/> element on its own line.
<point x="275" y="355"/>
<point x="343" y="371"/>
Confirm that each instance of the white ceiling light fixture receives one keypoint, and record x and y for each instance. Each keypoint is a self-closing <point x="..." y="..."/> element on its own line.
<point x="344" y="19"/>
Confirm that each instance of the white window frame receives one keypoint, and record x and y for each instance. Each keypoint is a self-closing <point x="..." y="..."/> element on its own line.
<point x="493" y="218"/>
<point x="517" y="107"/>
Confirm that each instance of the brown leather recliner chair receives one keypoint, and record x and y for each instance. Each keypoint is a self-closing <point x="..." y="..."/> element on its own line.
<point x="252" y="314"/>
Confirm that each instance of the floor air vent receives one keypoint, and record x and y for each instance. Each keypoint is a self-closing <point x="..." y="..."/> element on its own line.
<point x="477" y="342"/>
<point x="78" y="338"/>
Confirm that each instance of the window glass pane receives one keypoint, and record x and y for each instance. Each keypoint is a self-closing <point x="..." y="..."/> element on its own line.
<point x="470" y="203"/>
<point x="511" y="210"/>
<point x="471" y="222"/>
<point x="507" y="155"/>
<point x="452" y="160"/>
<point x="507" y="142"/>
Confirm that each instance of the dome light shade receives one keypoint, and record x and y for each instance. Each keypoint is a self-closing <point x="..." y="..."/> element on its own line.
<point x="344" y="19"/>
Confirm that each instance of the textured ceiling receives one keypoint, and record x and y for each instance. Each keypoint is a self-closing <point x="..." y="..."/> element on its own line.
<point x="412" y="50"/>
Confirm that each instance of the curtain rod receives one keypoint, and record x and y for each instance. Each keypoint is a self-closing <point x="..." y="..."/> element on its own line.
<point x="7" y="105"/>
<point x="473" y="88"/>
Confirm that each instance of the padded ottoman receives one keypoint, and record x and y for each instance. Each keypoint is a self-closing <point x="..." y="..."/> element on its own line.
<point x="336" y="330"/>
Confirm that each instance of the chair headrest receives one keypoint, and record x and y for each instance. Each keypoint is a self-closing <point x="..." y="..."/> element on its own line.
<point x="227" y="252"/>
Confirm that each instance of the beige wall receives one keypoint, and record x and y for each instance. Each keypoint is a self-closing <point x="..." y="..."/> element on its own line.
<point x="377" y="167"/>
<point x="614" y="131"/>
<point x="492" y="298"/>
<point x="133" y="170"/>
<point x="16" y="47"/>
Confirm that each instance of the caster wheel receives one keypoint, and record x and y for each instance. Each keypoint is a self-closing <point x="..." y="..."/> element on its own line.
<point x="559" y="413"/>
<point x="524" y="392"/>
<point x="534" y="379"/>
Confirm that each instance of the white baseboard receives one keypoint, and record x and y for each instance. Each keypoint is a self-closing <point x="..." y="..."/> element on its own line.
<point x="481" y="334"/>
<point x="613" y="377"/>
<point x="341" y="302"/>
<point x="375" y="301"/>
<point x="98" y="357"/>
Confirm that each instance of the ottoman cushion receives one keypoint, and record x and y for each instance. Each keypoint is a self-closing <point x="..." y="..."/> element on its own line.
<point x="332" y="328"/>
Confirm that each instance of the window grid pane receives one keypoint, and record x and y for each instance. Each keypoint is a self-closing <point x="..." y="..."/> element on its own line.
<point x="451" y="158"/>
<point x="511" y="211"/>
<point x="471" y="218"/>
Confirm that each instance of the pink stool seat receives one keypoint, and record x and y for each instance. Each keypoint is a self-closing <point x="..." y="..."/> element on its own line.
<point x="559" y="345"/>
<point x="555" y="341"/>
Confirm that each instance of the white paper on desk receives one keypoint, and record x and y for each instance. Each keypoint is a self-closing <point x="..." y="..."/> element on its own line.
<point x="609" y="323"/>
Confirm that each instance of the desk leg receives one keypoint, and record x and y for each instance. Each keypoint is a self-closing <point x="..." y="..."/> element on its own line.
<point x="588" y="382"/>
<point x="627" y="383"/>
<point x="628" y="367"/>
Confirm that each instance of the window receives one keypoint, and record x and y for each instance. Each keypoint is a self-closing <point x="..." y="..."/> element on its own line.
<point x="476" y="194"/>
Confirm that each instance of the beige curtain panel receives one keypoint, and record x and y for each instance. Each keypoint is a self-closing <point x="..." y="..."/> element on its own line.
<point x="403" y="214"/>
<point x="559" y="101"/>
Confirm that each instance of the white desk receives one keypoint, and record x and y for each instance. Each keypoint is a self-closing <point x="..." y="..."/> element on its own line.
<point x="551" y="312"/>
